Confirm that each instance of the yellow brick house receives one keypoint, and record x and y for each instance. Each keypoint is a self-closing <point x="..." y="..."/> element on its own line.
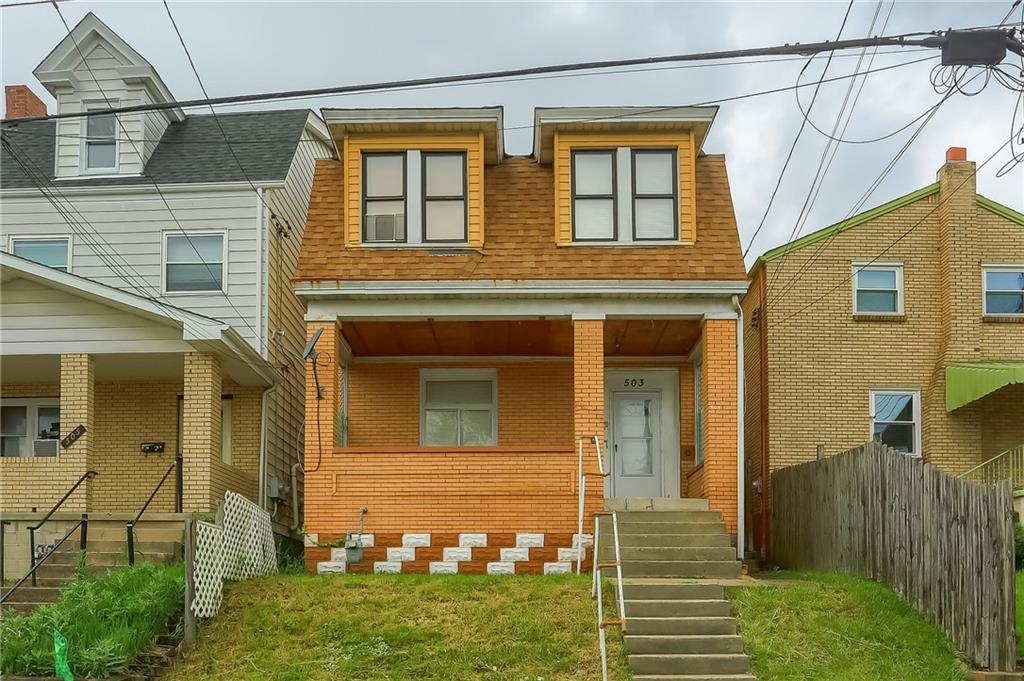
<point x="904" y="323"/>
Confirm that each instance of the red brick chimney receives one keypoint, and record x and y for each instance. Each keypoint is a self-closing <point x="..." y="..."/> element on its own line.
<point x="22" y="102"/>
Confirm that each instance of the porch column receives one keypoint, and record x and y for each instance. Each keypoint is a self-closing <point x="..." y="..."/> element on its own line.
<point x="201" y="428"/>
<point x="720" y="409"/>
<point x="588" y="405"/>
<point x="323" y="424"/>
<point x="77" y="408"/>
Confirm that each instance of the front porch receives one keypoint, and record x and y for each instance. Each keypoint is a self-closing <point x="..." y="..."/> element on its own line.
<point x="463" y="438"/>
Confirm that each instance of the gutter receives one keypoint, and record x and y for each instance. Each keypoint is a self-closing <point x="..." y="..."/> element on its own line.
<point x="741" y="488"/>
<point x="261" y="493"/>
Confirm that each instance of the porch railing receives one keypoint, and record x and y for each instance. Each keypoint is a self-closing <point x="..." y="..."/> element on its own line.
<point x="582" y="487"/>
<point x="83" y="541"/>
<point x="176" y="465"/>
<point x="598" y="587"/>
<point x="1008" y="465"/>
<point x="88" y="475"/>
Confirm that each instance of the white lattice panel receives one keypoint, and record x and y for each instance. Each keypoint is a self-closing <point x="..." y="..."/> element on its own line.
<point x="208" y="569"/>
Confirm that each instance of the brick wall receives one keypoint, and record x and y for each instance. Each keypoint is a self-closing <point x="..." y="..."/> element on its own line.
<point x="201" y="424"/>
<point x="718" y="396"/>
<point x="21" y="102"/>
<point x="588" y="404"/>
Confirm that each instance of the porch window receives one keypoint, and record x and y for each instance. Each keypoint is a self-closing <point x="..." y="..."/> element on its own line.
<point x="99" y="140"/>
<point x="384" y="197"/>
<point x="593" y="195"/>
<point x="896" y="419"/>
<point x="655" y="202"/>
<point x="878" y="289"/>
<point x="458" y="407"/>
<point x="444" y="196"/>
<point x="29" y="427"/>
<point x="51" y="251"/>
<point x="1004" y="290"/>
<point x="194" y="262"/>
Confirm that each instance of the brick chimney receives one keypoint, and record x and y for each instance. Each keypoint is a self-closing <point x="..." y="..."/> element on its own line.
<point x="959" y="259"/>
<point x="22" y="102"/>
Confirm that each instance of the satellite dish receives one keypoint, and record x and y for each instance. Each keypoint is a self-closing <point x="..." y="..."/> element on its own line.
<point x="309" y="350"/>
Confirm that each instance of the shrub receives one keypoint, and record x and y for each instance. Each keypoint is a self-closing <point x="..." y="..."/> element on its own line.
<point x="1018" y="545"/>
<point x="108" y="621"/>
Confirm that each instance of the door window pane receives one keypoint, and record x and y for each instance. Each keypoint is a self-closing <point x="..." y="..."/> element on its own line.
<point x="636" y="436"/>
<point x="594" y="218"/>
<point x="385" y="175"/>
<point x="50" y="252"/>
<point x="592" y="173"/>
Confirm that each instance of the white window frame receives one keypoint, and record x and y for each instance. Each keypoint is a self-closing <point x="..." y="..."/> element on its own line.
<point x="43" y="237"/>
<point x="83" y="157"/>
<point x="194" y="233"/>
<point x="1000" y="267"/>
<point x="32" y="405"/>
<point x="915" y="395"/>
<point x="868" y="266"/>
<point x="430" y="375"/>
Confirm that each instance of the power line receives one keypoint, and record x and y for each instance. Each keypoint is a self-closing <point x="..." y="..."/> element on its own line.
<point x="931" y="39"/>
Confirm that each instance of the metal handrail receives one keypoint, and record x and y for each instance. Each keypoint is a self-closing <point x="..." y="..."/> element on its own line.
<point x="3" y="532"/>
<point x="176" y="465"/>
<point x="986" y="472"/>
<point x="83" y="540"/>
<point x="598" y="592"/>
<point x="32" y="528"/>
<point x="582" y="487"/>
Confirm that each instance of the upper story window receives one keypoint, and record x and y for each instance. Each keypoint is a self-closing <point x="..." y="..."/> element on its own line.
<point x="1004" y="290"/>
<point x="458" y="407"/>
<point x="655" y="199"/>
<point x="878" y="289"/>
<point x="99" y="141"/>
<point x="194" y="262"/>
<point x="384" y="197"/>
<point x="444" y="196"/>
<point x="593" y="195"/>
<point x="53" y="252"/>
<point x="29" y="427"/>
<point x="896" y="419"/>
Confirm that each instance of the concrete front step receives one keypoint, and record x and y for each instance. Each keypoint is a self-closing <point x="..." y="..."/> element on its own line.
<point x="674" y="608"/>
<point x="627" y="527"/>
<point x="726" y="663"/>
<point x="142" y="533"/>
<point x="685" y="553"/>
<point x="119" y="546"/>
<point x="708" y="540"/>
<point x="681" y="568"/>
<point x="110" y="559"/>
<point x="26" y="593"/>
<point x="669" y="590"/>
<point x="668" y="516"/>
<point x="681" y="625"/>
<point x="667" y="644"/>
<point x="656" y="504"/>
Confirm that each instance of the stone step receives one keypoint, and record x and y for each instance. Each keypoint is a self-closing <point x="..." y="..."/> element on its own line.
<point x="662" y="608"/>
<point x="681" y="568"/>
<point x="709" y="540"/>
<point x="686" y="553"/>
<point x="26" y="593"/>
<point x="119" y="546"/>
<point x="668" y="517"/>
<point x="702" y="626"/>
<point x="727" y="663"/>
<point x="656" y="504"/>
<point x="683" y="644"/>
<point x="142" y="533"/>
<point x="649" y="527"/>
<point x="671" y="591"/>
<point x="22" y="607"/>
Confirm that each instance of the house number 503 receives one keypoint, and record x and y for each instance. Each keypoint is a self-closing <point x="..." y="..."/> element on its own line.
<point x="633" y="383"/>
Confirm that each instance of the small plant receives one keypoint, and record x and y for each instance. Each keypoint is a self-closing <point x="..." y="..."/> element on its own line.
<point x="1018" y="545"/>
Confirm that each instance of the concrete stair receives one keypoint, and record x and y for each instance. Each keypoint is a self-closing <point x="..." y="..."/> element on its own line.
<point x="679" y="626"/>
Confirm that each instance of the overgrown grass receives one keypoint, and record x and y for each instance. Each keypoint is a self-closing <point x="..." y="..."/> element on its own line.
<point x="811" y="626"/>
<point x="1020" y="614"/>
<point x="403" y="627"/>
<point x="107" y="621"/>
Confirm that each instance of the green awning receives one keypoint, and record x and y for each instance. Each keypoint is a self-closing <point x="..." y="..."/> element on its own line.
<point x="966" y="382"/>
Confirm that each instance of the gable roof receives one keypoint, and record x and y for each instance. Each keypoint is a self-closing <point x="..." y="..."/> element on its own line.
<point x="871" y="214"/>
<point x="190" y="151"/>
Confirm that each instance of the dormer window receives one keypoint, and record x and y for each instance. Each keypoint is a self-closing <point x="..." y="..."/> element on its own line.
<point x="384" y="197"/>
<point x="593" y="195"/>
<point x="444" y="196"/>
<point x="99" y="141"/>
<point x="655" y="204"/>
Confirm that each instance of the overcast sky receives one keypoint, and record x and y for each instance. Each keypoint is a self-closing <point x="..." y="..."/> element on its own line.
<point x="243" y="47"/>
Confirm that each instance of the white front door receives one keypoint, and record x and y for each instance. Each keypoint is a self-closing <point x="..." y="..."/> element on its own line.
<point x="636" y="454"/>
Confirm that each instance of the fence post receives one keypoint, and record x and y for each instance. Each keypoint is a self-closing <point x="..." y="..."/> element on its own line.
<point x="179" y="483"/>
<point x="131" y="543"/>
<point x="83" y="538"/>
<point x="188" y="617"/>
<point x="3" y="554"/>
<point x="32" y="552"/>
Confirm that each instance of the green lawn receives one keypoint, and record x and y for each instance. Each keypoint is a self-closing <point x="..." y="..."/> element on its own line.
<point x="811" y="626"/>
<point x="1020" y="614"/>
<point x="399" y="627"/>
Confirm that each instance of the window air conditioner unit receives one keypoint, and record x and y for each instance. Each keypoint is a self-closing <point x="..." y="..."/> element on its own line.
<point x="385" y="227"/>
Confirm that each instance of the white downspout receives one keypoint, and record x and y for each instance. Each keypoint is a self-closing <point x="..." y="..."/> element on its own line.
<point x="262" y="475"/>
<point x="741" y="488"/>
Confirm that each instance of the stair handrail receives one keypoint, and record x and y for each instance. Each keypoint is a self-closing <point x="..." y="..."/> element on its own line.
<point x="1015" y="467"/>
<point x="598" y="591"/>
<point x="581" y="486"/>
<point x="82" y="542"/>
<point x="176" y="465"/>
<point x="88" y="475"/>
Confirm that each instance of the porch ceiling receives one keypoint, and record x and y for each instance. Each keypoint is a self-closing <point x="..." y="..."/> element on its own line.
<point x="527" y="338"/>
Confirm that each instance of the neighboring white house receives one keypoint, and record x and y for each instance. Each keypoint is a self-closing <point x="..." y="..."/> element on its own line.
<point x="199" y="212"/>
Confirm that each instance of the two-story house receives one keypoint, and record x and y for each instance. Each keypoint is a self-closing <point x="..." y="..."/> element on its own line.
<point x="483" y="327"/>
<point x="903" y="323"/>
<point x="146" y="292"/>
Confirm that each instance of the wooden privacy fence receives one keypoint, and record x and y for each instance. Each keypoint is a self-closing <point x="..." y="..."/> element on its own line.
<point x="945" y="545"/>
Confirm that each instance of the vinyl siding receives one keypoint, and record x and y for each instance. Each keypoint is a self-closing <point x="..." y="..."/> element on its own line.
<point x="117" y="239"/>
